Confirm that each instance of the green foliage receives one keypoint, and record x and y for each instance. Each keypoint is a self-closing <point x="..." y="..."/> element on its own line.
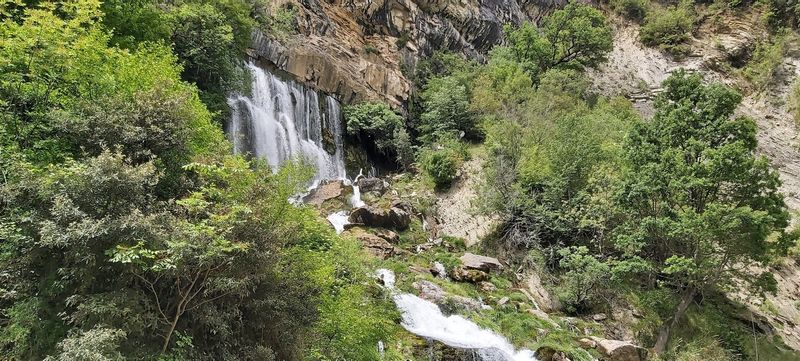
<point x="700" y="206"/>
<point x="378" y="126"/>
<point x="98" y="344"/>
<point x="545" y="155"/>
<point x="442" y="160"/>
<point x="635" y="10"/>
<point x="575" y="37"/>
<point x="282" y="23"/>
<point x="447" y="110"/>
<point x="135" y="21"/>
<point x="128" y="232"/>
<point x="670" y="28"/>
<point x="767" y="59"/>
<point x="585" y="280"/>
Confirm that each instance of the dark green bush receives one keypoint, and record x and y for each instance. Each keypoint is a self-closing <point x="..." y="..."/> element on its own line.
<point x="669" y="29"/>
<point x="441" y="161"/>
<point x="632" y="9"/>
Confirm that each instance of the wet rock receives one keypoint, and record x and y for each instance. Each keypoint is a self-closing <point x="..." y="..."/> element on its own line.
<point x="463" y="274"/>
<point x="375" y="185"/>
<point x="325" y="191"/>
<point x="480" y="263"/>
<point x="369" y="216"/>
<point x="616" y="350"/>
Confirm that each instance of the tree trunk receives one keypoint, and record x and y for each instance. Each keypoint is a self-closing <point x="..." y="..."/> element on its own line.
<point x="665" y="332"/>
<point x="172" y="325"/>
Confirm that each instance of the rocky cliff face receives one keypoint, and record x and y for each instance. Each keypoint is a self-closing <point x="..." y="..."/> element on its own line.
<point x="359" y="49"/>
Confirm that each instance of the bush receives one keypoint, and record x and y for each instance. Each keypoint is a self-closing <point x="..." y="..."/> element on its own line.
<point x="632" y="9"/>
<point x="669" y="29"/>
<point x="585" y="280"/>
<point x="441" y="162"/>
<point x="767" y="59"/>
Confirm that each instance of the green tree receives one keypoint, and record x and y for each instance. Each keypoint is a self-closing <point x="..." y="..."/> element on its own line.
<point x="447" y="110"/>
<point x="701" y="206"/>
<point x="577" y="36"/>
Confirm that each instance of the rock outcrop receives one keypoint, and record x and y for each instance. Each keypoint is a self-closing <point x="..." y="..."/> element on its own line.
<point x="394" y="218"/>
<point x="480" y="263"/>
<point x="356" y="49"/>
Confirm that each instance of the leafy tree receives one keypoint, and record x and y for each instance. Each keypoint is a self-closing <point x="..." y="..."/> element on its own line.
<point x="701" y="206"/>
<point x="447" y="110"/>
<point x="585" y="280"/>
<point x="577" y="36"/>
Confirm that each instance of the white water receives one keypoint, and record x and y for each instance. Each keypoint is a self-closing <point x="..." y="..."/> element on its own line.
<point x="339" y="220"/>
<point x="284" y="120"/>
<point x="355" y="199"/>
<point x="425" y="319"/>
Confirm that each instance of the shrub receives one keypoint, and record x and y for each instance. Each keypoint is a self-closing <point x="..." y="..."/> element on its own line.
<point x="632" y="9"/>
<point x="585" y="280"/>
<point x="441" y="161"/>
<point x="767" y="58"/>
<point x="669" y="29"/>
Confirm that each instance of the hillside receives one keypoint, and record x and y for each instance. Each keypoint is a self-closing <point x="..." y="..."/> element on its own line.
<point x="494" y="180"/>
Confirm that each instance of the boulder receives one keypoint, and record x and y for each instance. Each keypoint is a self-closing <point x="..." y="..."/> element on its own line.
<point x="587" y="343"/>
<point x="394" y="218"/>
<point x="463" y="274"/>
<point x="616" y="350"/>
<point x="447" y="302"/>
<point x="487" y="286"/>
<point x="598" y="317"/>
<point x="438" y="270"/>
<point x="480" y="263"/>
<point x="388" y="235"/>
<point x="324" y="192"/>
<point x="376" y="246"/>
<point x="403" y="205"/>
<point x="375" y="185"/>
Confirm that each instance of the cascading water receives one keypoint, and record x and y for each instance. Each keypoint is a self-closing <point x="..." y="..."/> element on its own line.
<point x="425" y="319"/>
<point x="284" y="120"/>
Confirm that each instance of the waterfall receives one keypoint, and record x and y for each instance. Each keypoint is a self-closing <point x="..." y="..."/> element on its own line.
<point x="285" y="120"/>
<point x="425" y="319"/>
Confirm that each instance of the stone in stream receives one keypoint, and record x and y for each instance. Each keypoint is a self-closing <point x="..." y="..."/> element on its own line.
<point x="376" y="185"/>
<point x="326" y="191"/>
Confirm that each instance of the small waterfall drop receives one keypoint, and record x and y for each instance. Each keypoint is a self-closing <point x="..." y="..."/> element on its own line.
<point x="284" y="120"/>
<point x="425" y="319"/>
